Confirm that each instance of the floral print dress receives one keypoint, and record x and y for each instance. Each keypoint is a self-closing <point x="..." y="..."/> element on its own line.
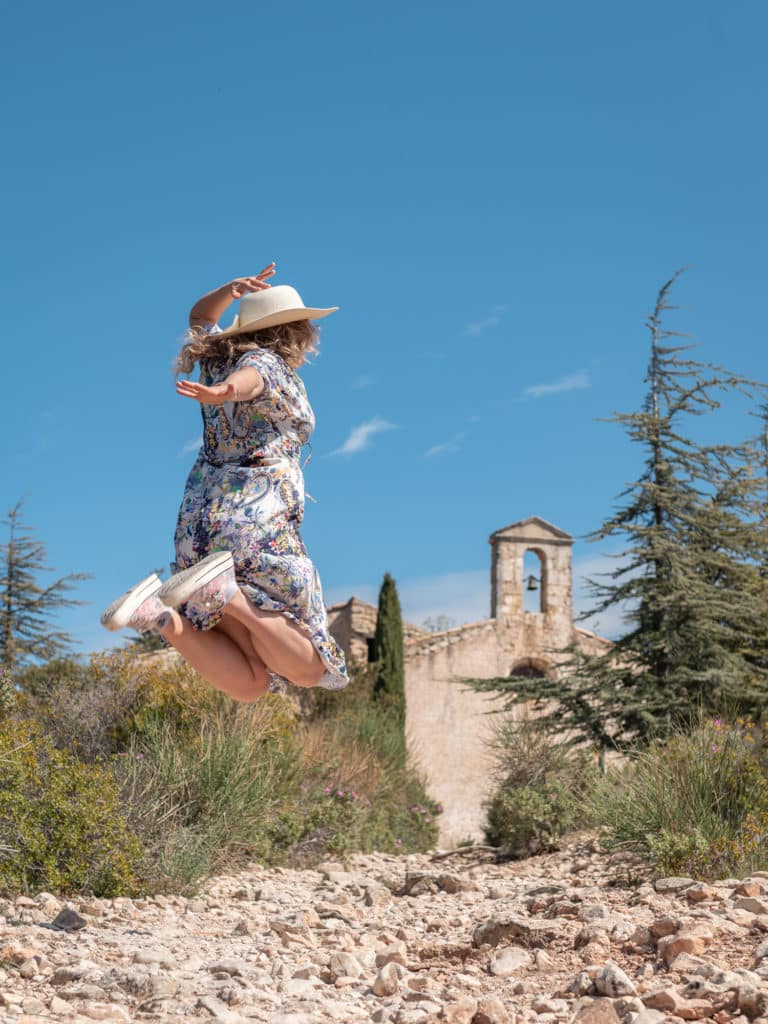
<point x="245" y="494"/>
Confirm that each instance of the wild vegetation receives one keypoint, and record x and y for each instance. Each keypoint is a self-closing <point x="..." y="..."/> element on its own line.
<point x="692" y="585"/>
<point x="126" y="772"/>
<point x="27" y="603"/>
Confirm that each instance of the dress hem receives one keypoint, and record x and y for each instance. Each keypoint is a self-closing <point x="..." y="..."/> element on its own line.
<point x="331" y="679"/>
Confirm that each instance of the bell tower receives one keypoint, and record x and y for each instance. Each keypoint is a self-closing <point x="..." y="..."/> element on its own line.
<point x="552" y="626"/>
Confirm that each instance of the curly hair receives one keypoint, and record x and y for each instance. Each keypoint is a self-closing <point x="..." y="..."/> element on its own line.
<point x="291" y="341"/>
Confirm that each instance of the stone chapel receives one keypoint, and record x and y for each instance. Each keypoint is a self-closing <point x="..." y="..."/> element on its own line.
<point x="447" y="725"/>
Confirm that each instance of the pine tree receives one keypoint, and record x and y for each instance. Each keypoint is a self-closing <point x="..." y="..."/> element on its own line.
<point x="759" y="651"/>
<point x="389" y="681"/>
<point x="26" y="606"/>
<point x="689" y="573"/>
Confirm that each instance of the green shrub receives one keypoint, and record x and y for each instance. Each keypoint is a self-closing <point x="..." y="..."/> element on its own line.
<point x="544" y="789"/>
<point x="697" y="805"/>
<point x="206" y="796"/>
<point x="254" y="781"/>
<point x="207" y="783"/>
<point x="361" y="750"/>
<point x="8" y="693"/>
<point x="94" y="708"/>
<point x="60" y="820"/>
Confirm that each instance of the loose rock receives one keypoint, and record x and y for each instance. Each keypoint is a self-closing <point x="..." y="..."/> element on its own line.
<point x="599" y="1011"/>
<point x="508" y="961"/>
<point x="387" y="981"/>
<point x="611" y="981"/>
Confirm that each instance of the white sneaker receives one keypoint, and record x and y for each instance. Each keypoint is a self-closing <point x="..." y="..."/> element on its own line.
<point x="210" y="583"/>
<point x="138" y="607"/>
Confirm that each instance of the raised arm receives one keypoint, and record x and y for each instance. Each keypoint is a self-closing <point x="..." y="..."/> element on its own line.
<point x="209" y="308"/>
<point x="241" y="386"/>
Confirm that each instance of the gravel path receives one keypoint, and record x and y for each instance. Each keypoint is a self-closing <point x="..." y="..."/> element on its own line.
<point x="561" y="937"/>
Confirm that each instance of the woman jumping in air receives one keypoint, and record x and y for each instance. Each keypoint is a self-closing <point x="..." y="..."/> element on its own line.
<point x="245" y="606"/>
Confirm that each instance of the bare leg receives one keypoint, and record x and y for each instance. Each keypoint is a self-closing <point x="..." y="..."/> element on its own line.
<point x="224" y="655"/>
<point x="282" y="644"/>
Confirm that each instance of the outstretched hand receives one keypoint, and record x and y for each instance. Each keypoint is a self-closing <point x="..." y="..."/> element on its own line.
<point x="241" y="285"/>
<point x="216" y="394"/>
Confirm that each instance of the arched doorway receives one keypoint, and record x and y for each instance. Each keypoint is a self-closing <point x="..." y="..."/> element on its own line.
<point x="530" y="668"/>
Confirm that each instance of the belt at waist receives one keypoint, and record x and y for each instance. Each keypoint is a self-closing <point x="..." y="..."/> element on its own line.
<point x="252" y="460"/>
<point x="288" y="450"/>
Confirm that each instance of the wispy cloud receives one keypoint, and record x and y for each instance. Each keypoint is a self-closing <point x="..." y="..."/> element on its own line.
<point x="573" y="382"/>
<point x="446" y="446"/>
<point x="192" y="446"/>
<point x="364" y="380"/>
<point x="361" y="435"/>
<point x="478" y="326"/>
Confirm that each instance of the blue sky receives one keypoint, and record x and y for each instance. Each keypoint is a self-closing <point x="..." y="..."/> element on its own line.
<point x="491" y="193"/>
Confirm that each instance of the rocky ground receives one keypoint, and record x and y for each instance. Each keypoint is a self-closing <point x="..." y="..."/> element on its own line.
<point x="563" y="937"/>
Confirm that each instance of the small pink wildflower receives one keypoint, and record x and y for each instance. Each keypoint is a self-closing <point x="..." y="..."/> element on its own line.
<point x="340" y="792"/>
<point x="398" y="842"/>
<point x="427" y="820"/>
<point x="353" y="794"/>
<point x="327" y="789"/>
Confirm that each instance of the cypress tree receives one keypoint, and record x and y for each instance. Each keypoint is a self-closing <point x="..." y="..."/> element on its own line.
<point x="687" y="579"/>
<point x="389" y="680"/>
<point x="26" y="605"/>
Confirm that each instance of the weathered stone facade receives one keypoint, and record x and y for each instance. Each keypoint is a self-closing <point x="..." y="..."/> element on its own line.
<point x="447" y="724"/>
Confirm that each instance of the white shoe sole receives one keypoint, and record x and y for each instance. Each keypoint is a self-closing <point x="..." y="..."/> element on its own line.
<point x="119" y="613"/>
<point x="182" y="586"/>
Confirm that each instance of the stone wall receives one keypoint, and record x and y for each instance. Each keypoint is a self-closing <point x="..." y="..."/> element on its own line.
<point x="448" y="725"/>
<point x="353" y="624"/>
<point x="447" y="729"/>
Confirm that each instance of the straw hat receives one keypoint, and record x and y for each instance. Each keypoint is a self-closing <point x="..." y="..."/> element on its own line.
<point x="279" y="305"/>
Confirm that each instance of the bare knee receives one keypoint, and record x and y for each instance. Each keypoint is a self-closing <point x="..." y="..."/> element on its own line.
<point x="250" y="687"/>
<point x="313" y="675"/>
<point x="260" y="676"/>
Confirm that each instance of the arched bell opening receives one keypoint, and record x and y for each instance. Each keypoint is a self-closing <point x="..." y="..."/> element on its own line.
<point x="534" y="581"/>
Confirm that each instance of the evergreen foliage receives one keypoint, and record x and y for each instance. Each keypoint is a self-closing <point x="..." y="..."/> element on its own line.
<point x="389" y="680"/>
<point x="26" y="605"/>
<point x="760" y="645"/>
<point x="691" y="580"/>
